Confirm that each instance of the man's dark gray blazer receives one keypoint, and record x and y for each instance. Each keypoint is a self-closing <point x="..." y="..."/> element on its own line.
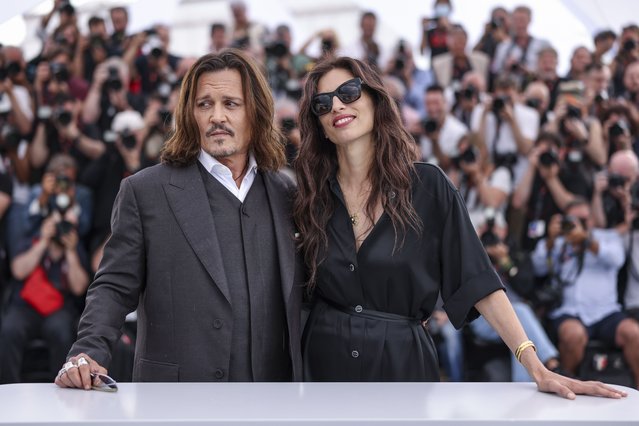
<point x="164" y="253"/>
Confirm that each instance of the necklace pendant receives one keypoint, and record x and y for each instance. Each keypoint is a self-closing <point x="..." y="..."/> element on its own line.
<point x="354" y="219"/>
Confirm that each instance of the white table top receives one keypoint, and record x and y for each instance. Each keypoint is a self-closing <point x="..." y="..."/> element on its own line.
<point x="310" y="404"/>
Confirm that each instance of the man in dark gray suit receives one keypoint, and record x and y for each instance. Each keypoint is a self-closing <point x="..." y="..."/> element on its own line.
<point x="203" y="245"/>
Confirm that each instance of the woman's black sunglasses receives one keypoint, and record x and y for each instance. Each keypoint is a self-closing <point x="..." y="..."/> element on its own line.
<point x="347" y="92"/>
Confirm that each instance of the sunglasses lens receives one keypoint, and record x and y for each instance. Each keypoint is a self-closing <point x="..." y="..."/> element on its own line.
<point x="322" y="104"/>
<point x="349" y="92"/>
<point x="104" y="383"/>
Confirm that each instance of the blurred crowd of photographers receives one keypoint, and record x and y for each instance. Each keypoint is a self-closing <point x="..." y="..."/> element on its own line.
<point x="547" y="163"/>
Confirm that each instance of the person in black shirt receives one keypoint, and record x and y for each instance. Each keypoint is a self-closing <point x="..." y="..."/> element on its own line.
<point x="382" y="238"/>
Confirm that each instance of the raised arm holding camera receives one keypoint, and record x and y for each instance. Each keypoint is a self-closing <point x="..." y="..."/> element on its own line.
<point x="441" y="130"/>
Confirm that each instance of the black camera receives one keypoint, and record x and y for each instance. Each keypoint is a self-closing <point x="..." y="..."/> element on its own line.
<point x="499" y="103"/>
<point x="617" y="129"/>
<point x="128" y="139"/>
<point x="496" y="23"/>
<point x="327" y="44"/>
<point x="150" y="32"/>
<point x="113" y="81"/>
<point x="62" y="116"/>
<point x="400" y="57"/>
<point x="534" y="103"/>
<point x="241" y="43"/>
<point x="468" y="156"/>
<point x="629" y="45"/>
<point x="13" y="69"/>
<point x="61" y="203"/>
<point x="59" y="72"/>
<point x="469" y="92"/>
<point x="548" y="158"/>
<point x="10" y="141"/>
<point x="429" y="125"/>
<point x="616" y="181"/>
<point x="488" y="238"/>
<point x="573" y="111"/>
<point x="567" y="224"/>
<point x="276" y="49"/>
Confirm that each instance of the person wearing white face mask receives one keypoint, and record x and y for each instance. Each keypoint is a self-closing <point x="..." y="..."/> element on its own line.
<point x="436" y="28"/>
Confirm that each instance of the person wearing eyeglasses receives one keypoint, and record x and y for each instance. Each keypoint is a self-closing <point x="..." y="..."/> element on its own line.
<point x="382" y="237"/>
<point x="203" y="246"/>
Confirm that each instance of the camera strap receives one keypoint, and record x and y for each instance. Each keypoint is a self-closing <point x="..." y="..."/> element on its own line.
<point x="524" y="50"/>
<point x="556" y="275"/>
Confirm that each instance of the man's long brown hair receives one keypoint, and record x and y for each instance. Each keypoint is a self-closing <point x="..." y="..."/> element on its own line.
<point x="267" y="143"/>
<point x="390" y="175"/>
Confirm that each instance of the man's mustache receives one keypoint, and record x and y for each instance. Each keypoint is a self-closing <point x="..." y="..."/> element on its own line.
<point x="216" y="127"/>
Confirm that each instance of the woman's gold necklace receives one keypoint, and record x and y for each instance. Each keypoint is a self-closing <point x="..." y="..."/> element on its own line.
<point x="354" y="217"/>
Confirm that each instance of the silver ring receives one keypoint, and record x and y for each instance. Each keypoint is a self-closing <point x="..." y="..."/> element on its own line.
<point x="82" y="361"/>
<point x="68" y="365"/>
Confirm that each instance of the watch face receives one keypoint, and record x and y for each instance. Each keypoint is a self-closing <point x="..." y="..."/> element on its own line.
<point x="513" y="271"/>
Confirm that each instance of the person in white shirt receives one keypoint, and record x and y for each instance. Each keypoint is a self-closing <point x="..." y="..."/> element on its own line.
<point x="506" y="128"/>
<point x="519" y="54"/>
<point x="442" y="132"/>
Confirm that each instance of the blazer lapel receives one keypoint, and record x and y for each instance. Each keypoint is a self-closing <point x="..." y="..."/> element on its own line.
<point x="188" y="201"/>
<point x="282" y="213"/>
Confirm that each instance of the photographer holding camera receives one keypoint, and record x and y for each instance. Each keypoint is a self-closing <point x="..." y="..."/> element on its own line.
<point x="618" y="128"/>
<point x="495" y="31"/>
<point x="537" y="97"/>
<point x="471" y="91"/>
<point x="156" y="64"/>
<point x="442" y="132"/>
<point x="543" y="190"/>
<point x="58" y="132"/>
<point x="481" y="186"/>
<point x="50" y="275"/>
<point x="109" y="95"/>
<point x="281" y="64"/>
<point x="506" y="128"/>
<point x="434" y="29"/>
<point x="59" y="183"/>
<point x="123" y="157"/>
<point x="519" y="54"/>
<point x="450" y="67"/>
<point x="627" y="53"/>
<point x="584" y="262"/>
<point x="612" y="201"/>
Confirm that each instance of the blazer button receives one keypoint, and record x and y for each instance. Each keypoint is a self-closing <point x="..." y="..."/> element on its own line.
<point x="219" y="374"/>
<point x="358" y="308"/>
<point x="355" y="354"/>
<point x="217" y="323"/>
<point x="351" y="267"/>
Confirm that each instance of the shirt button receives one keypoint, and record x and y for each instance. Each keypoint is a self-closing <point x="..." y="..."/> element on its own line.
<point x="358" y="308"/>
<point x="355" y="354"/>
<point x="219" y="374"/>
<point x="351" y="267"/>
<point x="217" y="323"/>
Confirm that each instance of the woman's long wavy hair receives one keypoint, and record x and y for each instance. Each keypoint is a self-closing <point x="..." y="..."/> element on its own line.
<point x="267" y="143"/>
<point x="390" y="175"/>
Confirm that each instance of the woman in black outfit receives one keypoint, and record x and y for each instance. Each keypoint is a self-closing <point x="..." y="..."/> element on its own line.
<point x="383" y="237"/>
